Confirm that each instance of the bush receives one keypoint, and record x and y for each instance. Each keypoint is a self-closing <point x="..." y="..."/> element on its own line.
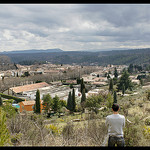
<point x="68" y="131"/>
<point x="133" y="132"/>
<point x="97" y="131"/>
<point x="26" y="131"/>
<point x="146" y="132"/>
<point x="9" y="109"/>
<point x="147" y="121"/>
<point x="132" y="135"/>
<point x="53" y="128"/>
<point x="12" y="97"/>
<point x="4" y="132"/>
<point x="148" y="95"/>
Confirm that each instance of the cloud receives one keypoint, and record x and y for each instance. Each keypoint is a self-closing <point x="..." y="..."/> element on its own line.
<point x="74" y="26"/>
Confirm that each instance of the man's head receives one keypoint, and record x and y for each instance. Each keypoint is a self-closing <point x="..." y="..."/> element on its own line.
<point x="115" y="107"/>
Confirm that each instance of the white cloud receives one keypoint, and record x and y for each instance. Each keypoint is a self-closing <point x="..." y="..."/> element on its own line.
<point x="74" y="26"/>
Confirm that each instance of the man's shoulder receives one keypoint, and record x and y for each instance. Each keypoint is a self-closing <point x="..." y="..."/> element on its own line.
<point x="122" y="116"/>
<point x="109" y="116"/>
<point x="112" y="116"/>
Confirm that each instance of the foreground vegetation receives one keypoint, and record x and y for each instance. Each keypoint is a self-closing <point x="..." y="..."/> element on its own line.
<point x="78" y="129"/>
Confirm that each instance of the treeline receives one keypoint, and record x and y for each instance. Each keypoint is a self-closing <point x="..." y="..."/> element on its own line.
<point x="118" y="57"/>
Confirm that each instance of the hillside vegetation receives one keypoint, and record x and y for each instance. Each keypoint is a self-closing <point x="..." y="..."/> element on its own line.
<point x="79" y="129"/>
<point x="116" y="57"/>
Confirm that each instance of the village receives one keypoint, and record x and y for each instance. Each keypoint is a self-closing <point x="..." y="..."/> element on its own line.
<point x="95" y="80"/>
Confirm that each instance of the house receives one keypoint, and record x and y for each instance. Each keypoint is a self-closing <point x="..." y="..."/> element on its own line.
<point x="88" y="79"/>
<point x="100" y="83"/>
<point x="19" y="90"/>
<point x="102" y="79"/>
<point x="29" y="105"/>
<point x="136" y="81"/>
<point x="51" y="71"/>
<point x="1" y="75"/>
<point x="71" y="82"/>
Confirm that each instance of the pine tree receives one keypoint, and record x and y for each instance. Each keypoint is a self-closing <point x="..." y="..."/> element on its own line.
<point x="73" y="100"/>
<point x="124" y="80"/>
<point x="115" y="97"/>
<point x="56" y="103"/>
<point x="47" y="102"/>
<point x="37" y="102"/>
<point x="130" y="68"/>
<point x="1" y="101"/>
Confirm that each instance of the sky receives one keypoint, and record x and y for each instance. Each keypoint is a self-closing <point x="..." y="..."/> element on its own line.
<point x="73" y="27"/>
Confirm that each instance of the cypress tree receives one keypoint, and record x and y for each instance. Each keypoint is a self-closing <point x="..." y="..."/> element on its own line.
<point x="116" y="73"/>
<point x="1" y="101"/>
<point x="115" y="97"/>
<point x="141" y="82"/>
<point x="73" y="100"/>
<point x="37" y="102"/>
<point x="78" y="81"/>
<point x="111" y="85"/>
<point x="123" y="89"/>
<point x="83" y="99"/>
<point x="82" y="85"/>
<point x="69" y="101"/>
<point x="108" y="76"/>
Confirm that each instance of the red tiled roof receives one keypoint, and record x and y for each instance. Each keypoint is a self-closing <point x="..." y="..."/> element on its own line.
<point x="30" y="102"/>
<point x="29" y="87"/>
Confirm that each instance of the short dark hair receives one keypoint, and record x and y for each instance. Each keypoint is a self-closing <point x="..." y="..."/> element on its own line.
<point x="115" y="107"/>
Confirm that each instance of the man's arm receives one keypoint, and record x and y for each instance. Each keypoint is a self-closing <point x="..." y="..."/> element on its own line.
<point x="106" y="122"/>
<point x="124" y="122"/>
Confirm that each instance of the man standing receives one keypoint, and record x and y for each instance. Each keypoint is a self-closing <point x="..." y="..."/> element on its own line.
<point x="115" y="123"/>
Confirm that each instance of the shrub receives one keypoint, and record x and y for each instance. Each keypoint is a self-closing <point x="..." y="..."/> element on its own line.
<point x="4" y="133"/>
<point x="9" y="109"/>
<point x="131" y="135"/>
<point x="12" y="97"/>
<point x="109" y="100"/>
<point x="68" y="131"/>
<point x="133" y="132"/>
<point x="147" y="121"/>
<point x="146" y="132"/>
<point x="53" y="128"/>
<point x="96" y="132"/>
<point x="27" y="131"/>
<point x="148" y="95"/>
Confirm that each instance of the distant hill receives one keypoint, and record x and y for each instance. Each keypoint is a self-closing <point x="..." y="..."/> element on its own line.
<point x="32" y="51"/>
<point x="115" y="57"/>
<point x="103" y="50"/>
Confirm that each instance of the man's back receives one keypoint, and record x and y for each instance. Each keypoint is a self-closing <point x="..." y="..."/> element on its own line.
<point x="116" y="123"/>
